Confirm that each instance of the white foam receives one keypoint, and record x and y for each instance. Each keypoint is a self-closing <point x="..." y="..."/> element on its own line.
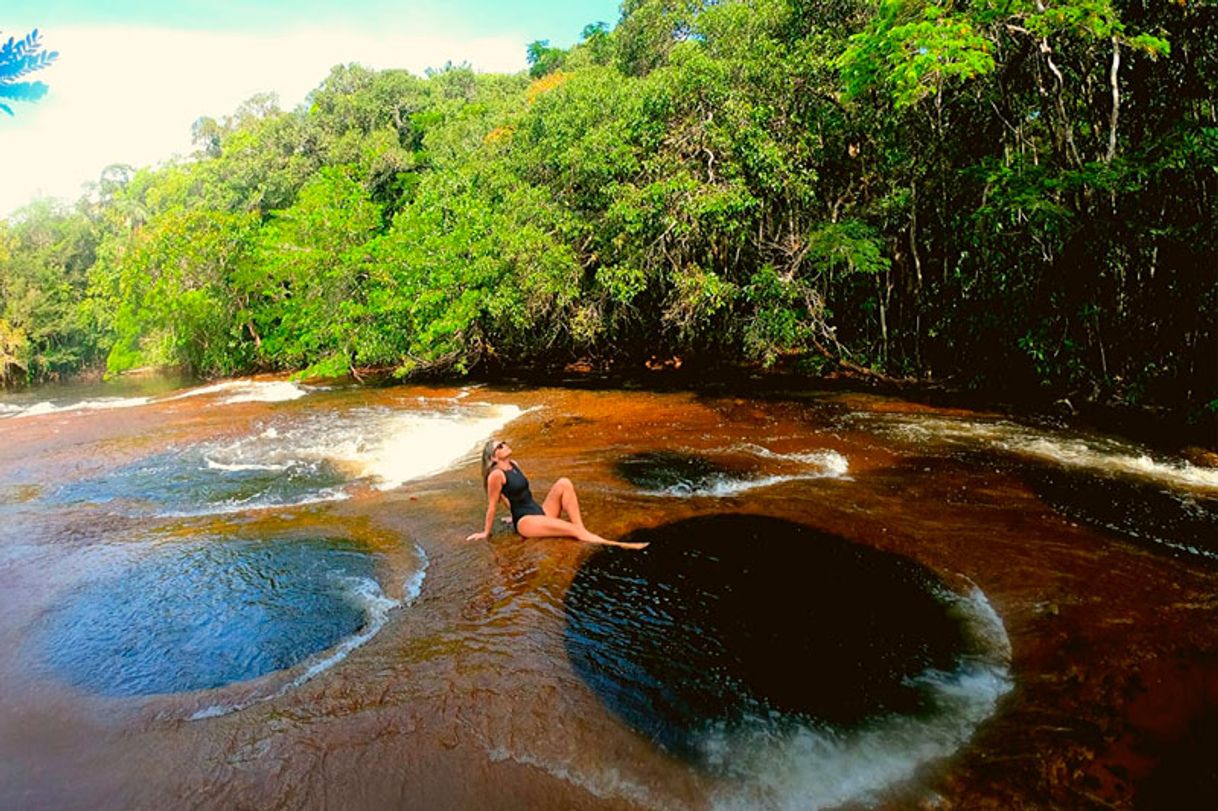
<point x="828" y="463"/>
<point x="48" y="407"/>
<point x="1101" y="454"/>
<point x="1134" y="462"/>
<point x="781" y="763"/>
<point x="364" y="592"/>
<point x="606" y="783"/>
<point x="420" y="445"/>
<point x="248" y="391"/>
<point x="389" y="447"/>
<point x="803" y="767"/>
<point x="268" y="393"/>
<point x="413" y="586"/>
<point x="236" y="467"/>
<point x="726" y="487"/>
<point x="327" y="495"/>
<point x="824" y="464"/>
<point x="244" y="391"/>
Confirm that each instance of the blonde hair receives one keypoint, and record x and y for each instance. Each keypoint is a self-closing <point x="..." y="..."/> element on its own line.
<point x="488" y="460"/>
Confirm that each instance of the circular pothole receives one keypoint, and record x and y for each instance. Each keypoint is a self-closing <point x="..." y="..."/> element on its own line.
<point x="741" y="639"/>
<point x="208" y="614"/>
<point x="680" y="473"/>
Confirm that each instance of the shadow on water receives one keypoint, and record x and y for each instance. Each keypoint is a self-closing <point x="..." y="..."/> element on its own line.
<point x="726" y="619"/>
<point x="207" y="615"/>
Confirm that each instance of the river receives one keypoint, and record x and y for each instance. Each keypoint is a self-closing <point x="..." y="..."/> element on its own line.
<point x="258" y="593"/>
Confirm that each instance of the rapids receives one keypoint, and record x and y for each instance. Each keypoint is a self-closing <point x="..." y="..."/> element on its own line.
<point x="257" y="593"/>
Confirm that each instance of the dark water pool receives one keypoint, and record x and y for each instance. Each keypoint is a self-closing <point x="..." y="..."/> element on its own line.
<point x="730" y="620"/>
<point x="679" y="473"/>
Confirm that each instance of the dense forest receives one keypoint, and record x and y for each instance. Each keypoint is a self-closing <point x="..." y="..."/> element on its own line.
<point x="1020" y="195"/>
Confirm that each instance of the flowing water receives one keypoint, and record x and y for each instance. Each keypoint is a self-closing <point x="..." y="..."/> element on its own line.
<point x="257" y="593"/>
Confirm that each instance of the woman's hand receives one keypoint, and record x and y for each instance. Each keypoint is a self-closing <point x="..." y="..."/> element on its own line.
<point x="478" y="536"/>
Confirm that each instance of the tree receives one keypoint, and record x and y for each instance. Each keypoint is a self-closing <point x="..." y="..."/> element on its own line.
<point x="543" y="59"/>
<point x="19" y="58"/>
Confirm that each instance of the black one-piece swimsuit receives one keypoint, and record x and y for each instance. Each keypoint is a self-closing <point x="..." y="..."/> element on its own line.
<point x="516" y="488"/>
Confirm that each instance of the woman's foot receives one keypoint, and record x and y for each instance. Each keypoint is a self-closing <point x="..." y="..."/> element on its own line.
<point x="589" y="537"/>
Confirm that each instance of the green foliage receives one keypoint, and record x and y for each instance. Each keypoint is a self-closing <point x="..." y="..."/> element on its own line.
<point x="170" y="285"/>
<point x="1016" y="193"/>
<point x="543" y="59"/>
<point x="779" y="323"/>
<point x="45" y="253"/>
<point x="913" y="49"/>
<point x="471" y="279"/>
<point x="851" y="246"/>
<point x="307" y="277"/>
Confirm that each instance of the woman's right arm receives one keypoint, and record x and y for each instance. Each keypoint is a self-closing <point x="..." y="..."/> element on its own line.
<point x="494" y="487"/>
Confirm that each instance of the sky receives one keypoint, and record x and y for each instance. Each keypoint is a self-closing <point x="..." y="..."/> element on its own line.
<point x="132" y="77"/>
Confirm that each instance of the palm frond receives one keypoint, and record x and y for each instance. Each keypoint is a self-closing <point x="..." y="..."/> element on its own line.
<point x="23" y="91"/>
<point x="19" y="58"/>
<point x="28" y="63"/>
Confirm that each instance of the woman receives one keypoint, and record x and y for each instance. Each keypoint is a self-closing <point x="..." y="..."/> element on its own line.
<point x="503" y="478"/>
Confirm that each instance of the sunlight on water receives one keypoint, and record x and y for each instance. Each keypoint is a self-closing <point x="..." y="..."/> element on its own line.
<point x="385" y="445"/>
<point x="413" y="446"/>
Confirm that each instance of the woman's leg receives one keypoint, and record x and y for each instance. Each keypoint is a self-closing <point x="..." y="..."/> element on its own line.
<point x="562" y="498"/>
<point x="543" y="526"/>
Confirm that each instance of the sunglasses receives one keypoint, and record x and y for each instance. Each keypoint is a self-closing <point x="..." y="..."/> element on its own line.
<point x="501" y="443"/>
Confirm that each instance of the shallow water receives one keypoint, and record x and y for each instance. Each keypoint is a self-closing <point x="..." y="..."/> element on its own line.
<point x="257" y="593"/>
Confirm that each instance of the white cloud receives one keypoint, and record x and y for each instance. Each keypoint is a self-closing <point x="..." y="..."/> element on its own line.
<point x="129" y="95"/>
